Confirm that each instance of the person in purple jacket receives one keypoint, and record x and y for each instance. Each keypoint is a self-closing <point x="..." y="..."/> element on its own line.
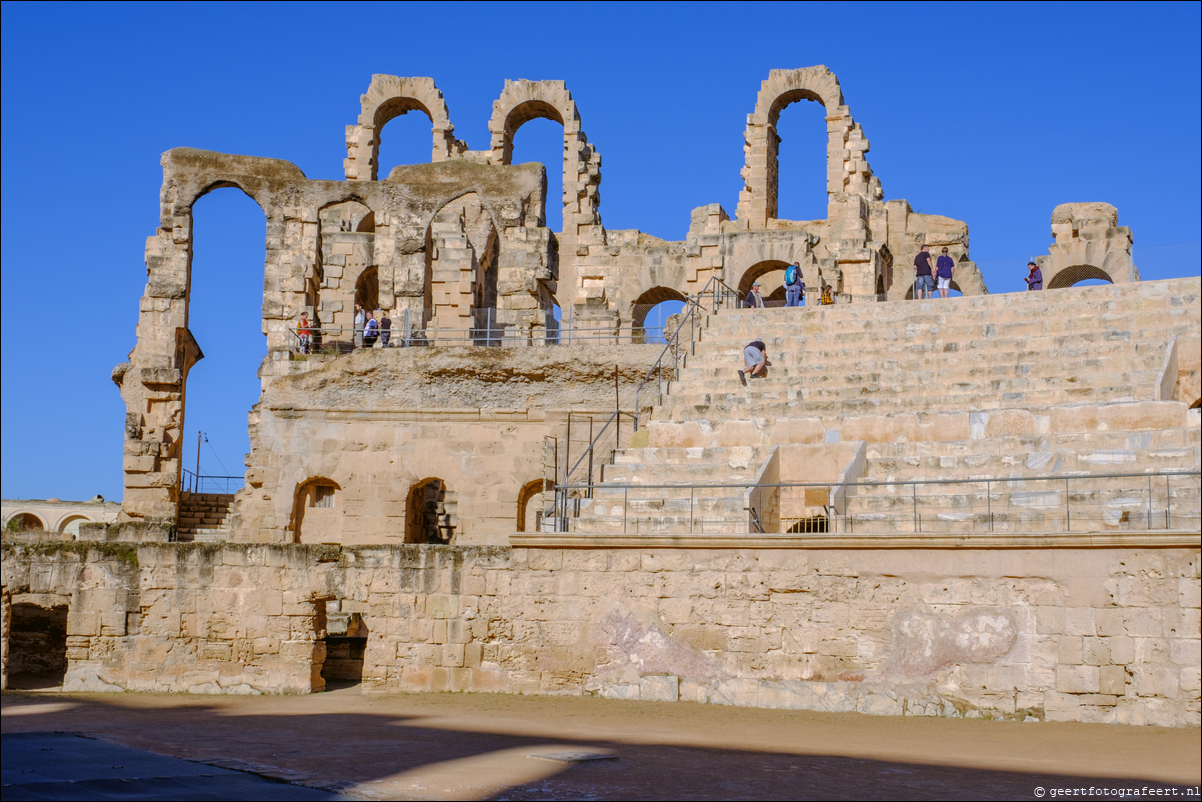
<point x="945" y="268"/>
<point x="1035" y="279"/>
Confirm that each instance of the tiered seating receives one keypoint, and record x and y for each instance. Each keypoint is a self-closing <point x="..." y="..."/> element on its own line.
<point x="1038" y="353"/>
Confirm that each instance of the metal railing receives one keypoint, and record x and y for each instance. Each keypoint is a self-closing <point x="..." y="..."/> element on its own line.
<point x="1116" y="502"/>
<point x="190" y="482"/>
<point x="581" y="476"/>
<point x="420" y="327"/>
<point x="714" y="296"/>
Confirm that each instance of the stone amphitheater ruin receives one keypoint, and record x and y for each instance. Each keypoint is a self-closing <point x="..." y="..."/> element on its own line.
<point x="981" y="506"/>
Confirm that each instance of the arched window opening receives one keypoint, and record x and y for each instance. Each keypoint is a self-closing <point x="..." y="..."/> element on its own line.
<point x="650" y="314"/>
<point x="429" y="513"/>
<point x="345" y="642"/>
<point x="1080" y="276"/>
<point x="541" y="140"/>
<point x="405" y="138"/>
<point x="25" y="522"/>
<point x="367" y="225"/>
<point x="801" y="141"/>
<point x="535" y="501"/>
<point x="225" y="316"/>
<point x="37" y="646"/>
<point x="317" y="512"/>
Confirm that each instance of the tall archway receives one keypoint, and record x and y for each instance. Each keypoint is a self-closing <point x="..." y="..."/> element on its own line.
<point x="522" y="101"/>
<point x="800" y="163"/>
<point x="387" y="97"/>
<point x="847" y="168"/>
<point x="1076" y="274"/>
<point x="225" y="297"/>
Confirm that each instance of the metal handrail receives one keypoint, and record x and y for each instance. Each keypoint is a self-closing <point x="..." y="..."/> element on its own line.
<point x="906" y="482"/>
<point x="190" y="482"/>
<point x="988" y="514"/>
<point x="693" y="303"/>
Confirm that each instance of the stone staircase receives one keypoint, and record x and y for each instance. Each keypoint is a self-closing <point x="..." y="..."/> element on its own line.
<point x="1051" y="365"/>
<point x="204" y="517"/>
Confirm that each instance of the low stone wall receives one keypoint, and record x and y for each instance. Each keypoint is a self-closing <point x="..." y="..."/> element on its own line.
<point x="1074" y="634"/>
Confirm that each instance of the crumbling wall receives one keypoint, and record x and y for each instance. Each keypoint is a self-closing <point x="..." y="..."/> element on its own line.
<point x="1100" y="634"/>
<point x="298" y="269"/>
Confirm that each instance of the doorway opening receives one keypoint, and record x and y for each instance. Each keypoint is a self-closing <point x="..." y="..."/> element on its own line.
<point x="37" y="647"/>
<point x="346" y="644"/>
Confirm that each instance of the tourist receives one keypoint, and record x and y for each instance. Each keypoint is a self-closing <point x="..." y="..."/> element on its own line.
<point x="360" y="320"/>
<point x="754" y="300"/>
<point x="1035" y="279"/>
<point x="755" y="357"/>
<point x="385" y="328"/>
<point x="303" y="333"/>
<point x="945" y="267"/>
<point x="827" y="298"/>
<point x="795" y="287"/>
<point x="924" y="285"/>
<point x="370" y="332"/>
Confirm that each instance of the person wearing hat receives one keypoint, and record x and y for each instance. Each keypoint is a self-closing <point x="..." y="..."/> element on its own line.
<point x="754" y="300"/>
<point x="1035" y="279"/>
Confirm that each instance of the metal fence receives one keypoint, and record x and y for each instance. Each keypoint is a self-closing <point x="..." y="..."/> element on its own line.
<point x="1075" y="503"/>
<point x="200" y="483"/>
<point x="418" y="327"/>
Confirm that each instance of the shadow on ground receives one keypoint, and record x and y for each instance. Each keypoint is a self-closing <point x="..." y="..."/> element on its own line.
<point x="444" y="746"/>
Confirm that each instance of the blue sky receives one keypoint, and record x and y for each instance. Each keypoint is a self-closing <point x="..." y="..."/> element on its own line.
<point x="989" y="113"/>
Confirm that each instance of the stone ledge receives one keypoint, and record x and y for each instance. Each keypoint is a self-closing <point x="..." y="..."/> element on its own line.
<point x="1055" y="540"/>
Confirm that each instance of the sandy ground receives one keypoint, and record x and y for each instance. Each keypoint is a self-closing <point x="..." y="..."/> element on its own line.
<point x="484" y="746"/>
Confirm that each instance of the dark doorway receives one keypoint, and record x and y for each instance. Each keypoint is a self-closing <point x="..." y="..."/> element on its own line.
<point x="346" y="644"/>
<point x="37" y="647"/>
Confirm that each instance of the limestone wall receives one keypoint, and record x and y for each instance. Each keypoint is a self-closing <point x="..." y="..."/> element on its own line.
<point x="1076" y="634"/>
<point x="376" y="424"/>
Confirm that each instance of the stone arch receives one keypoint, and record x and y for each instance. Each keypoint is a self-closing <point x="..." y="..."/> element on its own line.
<point x="846" y="166"/>
<point x="317" y="511"/>
<point x="650" y="298"/>
<point x="70" y="524"/>
<point x="522" y="101"/>
<point x="1075" y="274"/>
<point x="757" y="272"/>
<point x="24" y="522"/>
<point x="530" y="497"/>
<point x="388" y="97"/>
